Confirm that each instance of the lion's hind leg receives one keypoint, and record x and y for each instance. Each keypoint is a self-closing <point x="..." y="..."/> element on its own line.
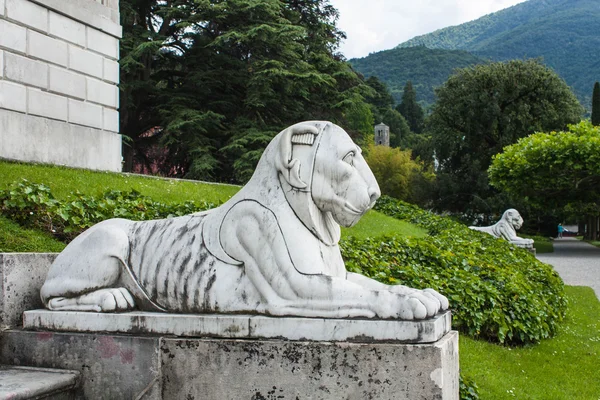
<point x="102" y="300"/>
<point x="86" y="276"/>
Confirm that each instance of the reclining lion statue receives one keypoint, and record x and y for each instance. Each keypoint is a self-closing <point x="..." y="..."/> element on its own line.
<point x="271" y="249"/>
<point x="506" y="229"/>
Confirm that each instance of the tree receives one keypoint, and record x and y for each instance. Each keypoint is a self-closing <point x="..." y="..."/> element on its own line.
<point x="399" y="130"/>
<point x="596" y="105"/>
<point x="381" y="98"/>
<point x="211" y="82"/>
<point x="482" y="109"/>
<point x="398" y="174"/>
<point x="410" y="109"/>
<point x="553" y="171"/>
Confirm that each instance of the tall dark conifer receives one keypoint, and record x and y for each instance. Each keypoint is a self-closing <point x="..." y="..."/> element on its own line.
<point x="410" y="109"/>
<point x="205" y="85"/>
<point x="596" y="105"/>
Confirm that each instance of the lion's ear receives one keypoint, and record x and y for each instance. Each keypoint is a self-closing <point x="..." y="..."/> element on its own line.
<point x="293" y="176"/>
<point x="291" y="168"/>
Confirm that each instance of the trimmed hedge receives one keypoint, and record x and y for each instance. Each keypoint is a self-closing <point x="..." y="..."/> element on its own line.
<point x="496" y="291"/>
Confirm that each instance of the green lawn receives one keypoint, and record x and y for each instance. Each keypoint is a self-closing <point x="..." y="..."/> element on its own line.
<point x="16" y="239"/>
<point x="566" y="367"/>
<point x="376" y="224"/>
<point x="63" y="180"/>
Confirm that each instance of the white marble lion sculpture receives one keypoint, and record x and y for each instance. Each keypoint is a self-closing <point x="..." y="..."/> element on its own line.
<point x="506" y="229"/>
<point x="271" y="249"/>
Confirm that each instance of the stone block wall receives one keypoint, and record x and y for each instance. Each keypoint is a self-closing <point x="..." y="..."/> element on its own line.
<point x="59" y="76"/>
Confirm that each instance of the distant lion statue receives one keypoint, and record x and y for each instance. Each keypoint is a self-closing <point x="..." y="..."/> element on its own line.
<point x="506" y="229"/>
<point x="271" y="249"/>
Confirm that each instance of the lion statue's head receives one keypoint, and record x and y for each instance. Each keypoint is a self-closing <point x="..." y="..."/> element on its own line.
<point x="324" y="176"/>
<point x="513" y="218"/>
<point x="316" y="169"/>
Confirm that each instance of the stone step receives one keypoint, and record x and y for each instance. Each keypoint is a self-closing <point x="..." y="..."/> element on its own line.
<point x="37" y="383"/>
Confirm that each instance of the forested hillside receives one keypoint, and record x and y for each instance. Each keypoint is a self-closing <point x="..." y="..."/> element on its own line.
<point x="471" y="35"/>
<point x="565" y="34"/>
<point x="426" y="68"/>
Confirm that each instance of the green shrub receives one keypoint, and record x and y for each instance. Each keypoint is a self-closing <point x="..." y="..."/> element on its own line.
<point x="398" y="174"/>
<point x="496" y="291"/>
<point x="33" y="205"/>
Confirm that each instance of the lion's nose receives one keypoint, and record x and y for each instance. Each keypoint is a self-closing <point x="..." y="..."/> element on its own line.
<point x="374" y="194"/>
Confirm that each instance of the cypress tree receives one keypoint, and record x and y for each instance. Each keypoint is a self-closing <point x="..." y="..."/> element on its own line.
<point x="410" y="109"/>
<point x="596" y="105"/>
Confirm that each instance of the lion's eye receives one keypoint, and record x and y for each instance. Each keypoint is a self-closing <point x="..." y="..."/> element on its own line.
<point x="349" y="158"/>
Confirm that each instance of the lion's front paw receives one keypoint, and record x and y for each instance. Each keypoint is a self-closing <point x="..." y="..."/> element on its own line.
<point x="115" y="299"/>
<point x="406" y="307"/>
<point x="444" y="304"/>
<point x="419" y="304"/>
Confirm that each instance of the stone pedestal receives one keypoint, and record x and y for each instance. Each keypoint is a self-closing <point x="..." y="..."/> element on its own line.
<point x="238" y="369"/>
<point x="240" y="357"/>
<point x="21" y="277"/>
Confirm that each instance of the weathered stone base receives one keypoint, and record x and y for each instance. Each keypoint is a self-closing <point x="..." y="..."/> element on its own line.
<point x="135" y="367"/>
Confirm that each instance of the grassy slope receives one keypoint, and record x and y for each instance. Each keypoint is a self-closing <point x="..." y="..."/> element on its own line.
<point x="375" y="224"/>
<point x="563" y="368"/>
<point x="62" y="181"/>
<point x="16" y="239"/>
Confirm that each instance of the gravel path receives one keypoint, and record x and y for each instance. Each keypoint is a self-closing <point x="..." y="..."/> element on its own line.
<point x="577" y="262"/>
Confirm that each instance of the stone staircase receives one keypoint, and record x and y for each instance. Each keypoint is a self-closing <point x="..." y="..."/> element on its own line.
<point x="18" y="383"/>
<point x="20" y="278"/>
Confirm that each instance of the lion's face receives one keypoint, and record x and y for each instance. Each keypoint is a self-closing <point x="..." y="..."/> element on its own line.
<point x="342" y="182"/>
<point x="514" y="219"/>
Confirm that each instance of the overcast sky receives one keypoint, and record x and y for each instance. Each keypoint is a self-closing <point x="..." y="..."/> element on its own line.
<point x="375" y="25"/>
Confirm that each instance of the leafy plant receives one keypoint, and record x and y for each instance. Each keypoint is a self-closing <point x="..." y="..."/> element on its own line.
<point x="496" y="291"/>
<point x="468" y="389"/>
<point x="33" y="204"/>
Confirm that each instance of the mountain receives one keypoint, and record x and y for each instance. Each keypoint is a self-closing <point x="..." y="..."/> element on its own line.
<point x="426" y="68"/>
<point x="565" y="34"/>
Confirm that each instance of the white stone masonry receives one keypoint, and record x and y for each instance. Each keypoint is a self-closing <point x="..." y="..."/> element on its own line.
<point x="59" y="61"/>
